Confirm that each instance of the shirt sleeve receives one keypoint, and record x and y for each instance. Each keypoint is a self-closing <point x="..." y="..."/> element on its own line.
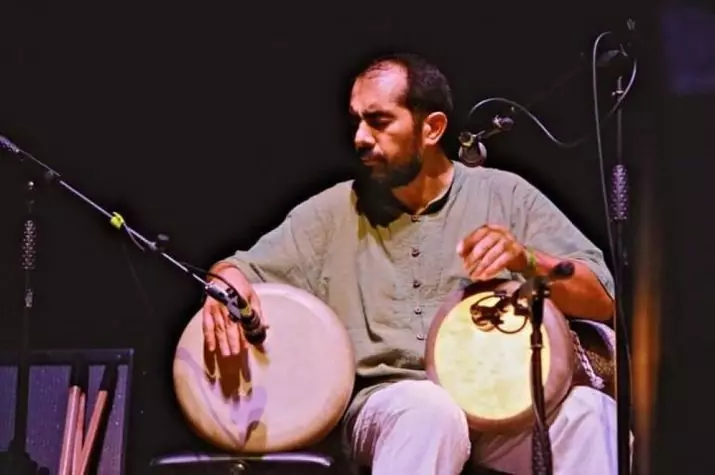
<point x="538" y="223"/>
<point x="292" y="252"/>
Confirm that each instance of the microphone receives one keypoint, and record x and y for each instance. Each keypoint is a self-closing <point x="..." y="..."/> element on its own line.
<point x="472" y="151"/>
<point x="240" y="312"/>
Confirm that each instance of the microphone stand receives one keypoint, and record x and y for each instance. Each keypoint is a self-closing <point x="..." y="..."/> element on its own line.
<point x="619" y="205"/>
<point x="230" y="299"/>
<point x="17" y="461"/>
<point x="541" y="457"/>
<point x="536" y="290"/>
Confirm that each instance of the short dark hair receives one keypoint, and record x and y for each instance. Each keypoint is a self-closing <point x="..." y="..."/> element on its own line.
<point x="427" y="87"/>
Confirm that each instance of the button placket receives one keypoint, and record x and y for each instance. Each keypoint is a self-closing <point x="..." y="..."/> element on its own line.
<point x="415" y="265"/>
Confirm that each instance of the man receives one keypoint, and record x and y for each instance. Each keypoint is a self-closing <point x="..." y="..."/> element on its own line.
<point x="385" y="250"/>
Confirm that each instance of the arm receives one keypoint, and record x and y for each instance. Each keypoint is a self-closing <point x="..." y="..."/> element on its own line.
<point x="583" y="294"/>
<point x="291" y="253"/>
<point x="543" y="229"/>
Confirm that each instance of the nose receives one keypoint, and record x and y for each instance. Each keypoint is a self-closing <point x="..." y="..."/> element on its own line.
<point x="363" y="136"/>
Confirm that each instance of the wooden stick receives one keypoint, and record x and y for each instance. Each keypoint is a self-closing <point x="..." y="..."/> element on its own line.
<point x="68" y="438"/>
<point x="94" y="422"/>
<point x="79" y="431"/>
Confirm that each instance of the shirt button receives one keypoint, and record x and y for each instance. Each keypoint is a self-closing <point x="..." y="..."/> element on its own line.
<point x="418" y="310"/>
<point x="416" y="283"/>
<point x="415" y="252"/>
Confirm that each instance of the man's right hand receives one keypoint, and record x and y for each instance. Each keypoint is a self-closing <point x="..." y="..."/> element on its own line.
<point x="219" y="330"/>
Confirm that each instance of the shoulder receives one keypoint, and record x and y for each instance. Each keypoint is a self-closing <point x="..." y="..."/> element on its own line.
<point x="327" y="205"/>
<point x="332" y="198"/>
<point x="497" y="181"/>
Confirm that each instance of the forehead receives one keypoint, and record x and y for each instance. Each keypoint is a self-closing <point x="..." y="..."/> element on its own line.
<point x="379" y="89"/>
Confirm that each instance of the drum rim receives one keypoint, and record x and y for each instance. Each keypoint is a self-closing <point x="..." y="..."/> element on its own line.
<point x="554" y="393"/>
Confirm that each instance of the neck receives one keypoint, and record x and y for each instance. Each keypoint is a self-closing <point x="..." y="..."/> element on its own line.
<point x="434" y="178"/>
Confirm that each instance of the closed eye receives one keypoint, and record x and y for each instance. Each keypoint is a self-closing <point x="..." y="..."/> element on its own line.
<point x="376" y="120"/>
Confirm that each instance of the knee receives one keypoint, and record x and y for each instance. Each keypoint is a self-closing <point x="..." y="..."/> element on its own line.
<point x="586" y="402"/>
<point x="587" y="411"/>
<point x="426" y="405"/>
<point x="418" y="416"/>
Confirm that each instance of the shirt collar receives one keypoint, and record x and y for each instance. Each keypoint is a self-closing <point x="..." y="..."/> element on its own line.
<point x="380" y="206"/>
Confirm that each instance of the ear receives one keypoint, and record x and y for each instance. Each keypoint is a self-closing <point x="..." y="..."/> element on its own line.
<point x="433" y="127"/>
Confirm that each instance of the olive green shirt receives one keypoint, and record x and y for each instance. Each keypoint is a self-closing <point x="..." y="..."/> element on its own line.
<point x="386" y="283"/>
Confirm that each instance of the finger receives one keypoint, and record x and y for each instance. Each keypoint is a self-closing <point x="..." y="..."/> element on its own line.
<point x="233" y="336"/>
<point x="490" y="256"/>
<point x="209" y="329"/>
<point x="482" y="247"/>
<point x="497" y="266"/>
<point x="464" y="247"/>
<point x="221" y="337"/>
<point x="498" y="228"/>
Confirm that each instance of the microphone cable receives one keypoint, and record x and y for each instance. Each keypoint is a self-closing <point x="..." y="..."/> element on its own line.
<point x="599" y="124"/>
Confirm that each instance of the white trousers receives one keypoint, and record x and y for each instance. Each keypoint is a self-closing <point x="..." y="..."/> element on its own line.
<point x="415" y="428"/>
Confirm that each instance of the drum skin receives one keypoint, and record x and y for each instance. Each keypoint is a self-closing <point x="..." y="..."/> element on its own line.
<point x="287" y="395"/>
<point x="488" y="372"/>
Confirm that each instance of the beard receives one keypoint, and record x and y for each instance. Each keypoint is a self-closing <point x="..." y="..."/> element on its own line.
<point x="393" y="175"/>
<point x="390" y="175"/>
<point x="374" y="184"/>
<point x="373" y="187"/>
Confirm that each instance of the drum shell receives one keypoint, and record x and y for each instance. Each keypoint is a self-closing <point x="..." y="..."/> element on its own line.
<point x="286" y="395"/>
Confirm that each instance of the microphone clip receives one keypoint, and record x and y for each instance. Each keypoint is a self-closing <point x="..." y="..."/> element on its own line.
<point x="490" y="315"/>
<point x="537" y="288"/>
<point x="229" y="298"/>
<point x="499" y="124"/>
<point x="240" y="312"/>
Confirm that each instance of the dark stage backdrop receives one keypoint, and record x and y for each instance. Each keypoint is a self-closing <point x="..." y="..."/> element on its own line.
<point x="208" y="124"/>
<point x="685" y="171"/>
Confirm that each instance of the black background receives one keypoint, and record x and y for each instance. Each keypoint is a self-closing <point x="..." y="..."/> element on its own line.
<point x="209" y="122"/>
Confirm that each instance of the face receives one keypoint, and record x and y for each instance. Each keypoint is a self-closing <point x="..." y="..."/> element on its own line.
<point x="387" y="136"/>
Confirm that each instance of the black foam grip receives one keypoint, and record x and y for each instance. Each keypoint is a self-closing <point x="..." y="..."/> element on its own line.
<point x="29" y="239"/>
<point x="619" y="193"/>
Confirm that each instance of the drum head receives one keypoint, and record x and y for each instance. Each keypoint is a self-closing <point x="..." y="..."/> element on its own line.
<point x="288" y="395"/>
<point x="488" y="371"/>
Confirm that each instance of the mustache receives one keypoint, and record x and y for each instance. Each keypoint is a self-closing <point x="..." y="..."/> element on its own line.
<point x="368" y="154"/>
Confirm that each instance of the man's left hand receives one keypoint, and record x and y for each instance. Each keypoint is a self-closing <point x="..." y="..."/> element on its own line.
<point x="489" y="250"/>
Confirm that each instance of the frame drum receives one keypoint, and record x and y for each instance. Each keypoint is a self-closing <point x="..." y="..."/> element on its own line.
<point x="287" y="395"/>
<point x="486" y="368"/>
